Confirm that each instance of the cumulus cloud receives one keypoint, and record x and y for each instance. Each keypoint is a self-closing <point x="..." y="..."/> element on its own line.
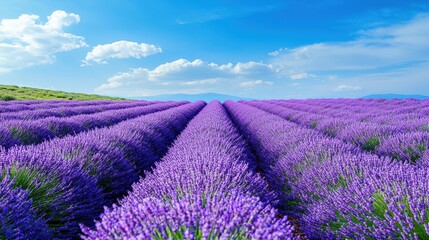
<point x="374" y="48"/>
<point x="347" y="88"/>
<point x="120" y="49"/>
<point x="393" y="59"/>
<point x="25" y="41"/>
<point x="186" y="76"/>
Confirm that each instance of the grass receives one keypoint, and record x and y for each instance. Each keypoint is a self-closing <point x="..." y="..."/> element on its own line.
<point x="8" y="92"/>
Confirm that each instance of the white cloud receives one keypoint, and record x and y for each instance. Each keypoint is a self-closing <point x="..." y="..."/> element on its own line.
<point x="407" y="80"/>
<point x="376" y="48"/>
<point x="186" y="76"/>
<point x="203" y="18"/>
<point x="182" y="69"/>
<point x="25" y="41"/>
<point x="347" y="88"/>
<point x="302" y="75"/>
<point x="389" y="59"/>
<point x="120" y="49"/>
<point x="202" y="82"/>
<point x="59" y="19"/>
<point x="256" y="83"/>
<point x="277" y="52"/>
<point x="255" y="68"/>
<point x="332" y="77"/>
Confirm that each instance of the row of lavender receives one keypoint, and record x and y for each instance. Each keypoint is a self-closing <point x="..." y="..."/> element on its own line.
<point x="338" y="190"/>
<point x="68" y="110"/>
<point x="391" y="113"/>
<point x="47" y="190"/>
<point x="15" y="106"/>
<point x="362" y="107"/>
<point x="25" y="132"/>
<point x="396" y="129"/>
<point x="205" y="187"/>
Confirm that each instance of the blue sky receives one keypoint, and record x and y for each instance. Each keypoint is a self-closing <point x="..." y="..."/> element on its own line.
<point x="257" y="49"/>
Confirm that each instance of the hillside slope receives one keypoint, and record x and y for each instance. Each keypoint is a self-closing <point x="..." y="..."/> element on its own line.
<point x="8" y="92"/>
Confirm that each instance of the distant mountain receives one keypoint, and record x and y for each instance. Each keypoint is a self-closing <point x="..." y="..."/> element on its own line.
<point x="192" y="97"/>
<point x="397" y="96"/>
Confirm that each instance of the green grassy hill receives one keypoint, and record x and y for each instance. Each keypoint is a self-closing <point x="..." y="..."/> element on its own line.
<point x="25" y="93"/>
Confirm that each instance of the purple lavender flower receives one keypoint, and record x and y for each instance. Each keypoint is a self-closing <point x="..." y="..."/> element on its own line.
<point x="70" y="179"/>
<point x="390" y="202"/>
<point x="407" y="147"/>
<point x="18" y="220"/>
<point x="60" y="193"/>
<point x="292" y="170"/>
<point x="33" y="132"/>
<point x="204" y="188"/>
<point x="192" y="217"/>
<point x="207" y="158"/>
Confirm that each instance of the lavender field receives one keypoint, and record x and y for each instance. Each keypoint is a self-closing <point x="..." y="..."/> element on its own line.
<point x="277" y="169"/>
